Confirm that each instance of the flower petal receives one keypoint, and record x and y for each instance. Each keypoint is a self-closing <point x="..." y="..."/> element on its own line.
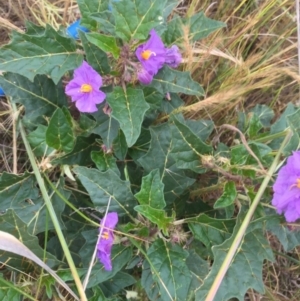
<point x="85" y="100"/>
<point x="286" y="198"/>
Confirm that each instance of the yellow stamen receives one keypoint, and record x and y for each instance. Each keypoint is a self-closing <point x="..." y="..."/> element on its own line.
<point x="298" y="183"/>
<point x="105" y="235"/>
<point x="86" y="88"/>
<point x="146" y="54"/>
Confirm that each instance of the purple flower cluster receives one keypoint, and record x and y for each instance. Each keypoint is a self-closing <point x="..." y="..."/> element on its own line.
<point x="84" y="88"/>
<point x="106" y="240"/>
<point x="286" y="198"/>
<point x="153" y="55"/>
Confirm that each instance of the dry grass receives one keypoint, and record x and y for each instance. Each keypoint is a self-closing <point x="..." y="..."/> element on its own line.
<point x="253" y="61"/>
<point x="54" y="12"/>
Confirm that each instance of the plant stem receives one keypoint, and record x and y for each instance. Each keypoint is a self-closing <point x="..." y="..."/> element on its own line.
<point x="51" y="211"/>
<point x="76" y="210"/>
<point x="240" y="234"/>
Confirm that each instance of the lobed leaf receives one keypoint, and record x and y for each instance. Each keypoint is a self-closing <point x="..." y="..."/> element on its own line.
<point x="40" y="98"/>
<point x="169" y="80"/>
<point x="168" y="277"/>
<point x="200" y="26"/>
<point x="12" y="224"/>
<point x="94" y="56"/>
<point x="105" y="161"/>
<point x="156" y="216"/>
<point x="81" y="153"/>
<point x="88" y="7"/>
<point x="135" y="18"/>
<point x="228" y="197"/>
<point x="210" y="231"/>
<point x="104" y="42"/>
<point x="104" y="185"/>
<point x="129" y="108"/>
<point x="59" y="134"/>
<point x="120" y="256"/>
<point x="106" y="127"/>
<point x="37" y="140"/>
<point x="44" y="53"/>
<point x="151" y="192"/>
<point x="245" y="270"/>
<point x="159" y="155"/>
<point x="187" y="148"/>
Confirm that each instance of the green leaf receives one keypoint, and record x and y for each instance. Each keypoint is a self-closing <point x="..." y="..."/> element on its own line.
<point x="201" y="128"/>
<point x="174" y="33"/>
<point x="35" y="213"/>
<point x="98" y="295"/>
<point x="117" y="283"/>
<point x="33" y="29"/>
<point x="106" y="127"/>
<point x="170" y="5"/>
<point x="289" y="238"/>
<point x="120" y="257"/>
<point x="254" y="126"/>
<point x="156" y="216"/>
<point x="128" y="107"/>
<point x="120" y="146"/>
<point x="169" y="277"/>
<point x="280" y="125"/>
<point x="37" y="140"/>
<point x="135" y="18"/>
<point x="248" y="262"/>
<point x="105" y="43"/>
<point x="104" y="185"/>
<point x="88" y="7"/>
<point x="228" y="197"/>
<point x="105" y="161"/>
<point x="12" y="224"/>
<point x="200" y="26"/>
<point x="158" y="155"/>
<point x="59" y="134"/>
<point x="9" y="294"/>
<point x="20" y="194"/>
<point x="15" y="189"/>
<point x="264" y="114"/>
<point x="94" y="56"/>
<point x="140" y="148"/>
<point x="153" y="98"/>
<point x="210" y="231"/>
<point x="40" y="98"/>
<point x="293" y="122"/>
<point x="198" y="268"/>
<point x="187" y="148"/>
<point x="170" y="80"/>
<point x="81" y="153"/>
<point x="106" y="21"/>
<point x="240" y="156"/>
<point x="46" y="53"/>
<point x="168" y="106"/>
<point x="152" y="191"/>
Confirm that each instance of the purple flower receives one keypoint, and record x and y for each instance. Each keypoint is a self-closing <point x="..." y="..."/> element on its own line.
<point x="173" y="57"/>
<point x="84" y="88"/>
<point x="107" y="238"/>
<point x="286" y="188"/>
<point x="152" y="54"/>
<point x="144" y="76"/>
